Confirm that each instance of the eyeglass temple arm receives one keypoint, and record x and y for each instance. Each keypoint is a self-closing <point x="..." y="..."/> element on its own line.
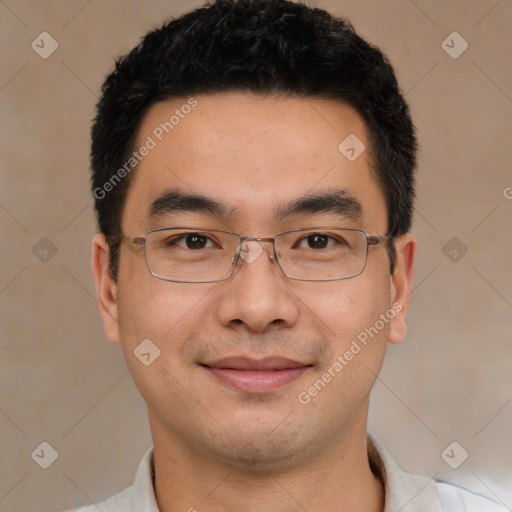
<point x="138" y="240"/>
<point x="378" y="239"/>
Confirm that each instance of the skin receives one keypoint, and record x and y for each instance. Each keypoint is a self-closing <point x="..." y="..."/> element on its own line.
<point x="217" y="448"/>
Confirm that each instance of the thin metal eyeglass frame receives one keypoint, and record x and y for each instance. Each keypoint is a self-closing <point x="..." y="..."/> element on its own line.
<point x="141" y="242"/>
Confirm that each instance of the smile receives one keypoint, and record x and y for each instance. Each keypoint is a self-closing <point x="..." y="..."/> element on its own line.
<point x="256" y="376"/>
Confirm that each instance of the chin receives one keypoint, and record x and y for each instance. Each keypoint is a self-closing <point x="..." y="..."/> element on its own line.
<point x="263" y="450"/>
<point x="257" y="459"/>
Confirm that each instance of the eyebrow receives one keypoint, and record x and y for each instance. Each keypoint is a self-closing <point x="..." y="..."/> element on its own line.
<point x="338" y="202"/>
<point x="172" y="201"/>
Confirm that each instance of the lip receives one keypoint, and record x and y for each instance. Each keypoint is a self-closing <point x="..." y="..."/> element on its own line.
<point x="256" y="375"/>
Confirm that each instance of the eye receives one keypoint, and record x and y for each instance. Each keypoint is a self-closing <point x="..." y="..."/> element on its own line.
<point x="316" y="241"/>
<point x="192" y="241"/>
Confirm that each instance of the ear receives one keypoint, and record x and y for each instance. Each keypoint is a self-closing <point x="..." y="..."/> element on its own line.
<point x="106" y="288"/>
<point x="401" y="285"/>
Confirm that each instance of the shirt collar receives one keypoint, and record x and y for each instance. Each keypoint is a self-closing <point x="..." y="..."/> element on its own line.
<point x="143" y="495"/>
<point x="403" y="491"/>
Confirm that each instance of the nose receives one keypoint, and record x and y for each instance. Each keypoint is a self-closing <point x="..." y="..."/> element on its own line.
<point x="257" y="297"/>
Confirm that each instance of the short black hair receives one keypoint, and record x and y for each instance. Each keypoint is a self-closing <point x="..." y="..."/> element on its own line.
<point x="274" y="47"/>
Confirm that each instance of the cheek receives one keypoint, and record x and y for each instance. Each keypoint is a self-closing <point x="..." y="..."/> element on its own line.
<point x="346" y="308"/>
<point x="171" y="316"/>
<point x="162" y="311"/>
<point x="349" y="314"/>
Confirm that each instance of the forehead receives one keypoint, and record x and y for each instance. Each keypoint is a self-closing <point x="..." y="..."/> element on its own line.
<point x="253" y="153"/>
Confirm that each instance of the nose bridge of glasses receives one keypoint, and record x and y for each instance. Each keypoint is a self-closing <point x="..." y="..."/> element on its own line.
<point x="250" y="248"/>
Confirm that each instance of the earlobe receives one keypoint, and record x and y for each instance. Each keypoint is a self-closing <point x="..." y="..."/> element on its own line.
<point x="106" y="288"/>
<point x="401" y="285"/>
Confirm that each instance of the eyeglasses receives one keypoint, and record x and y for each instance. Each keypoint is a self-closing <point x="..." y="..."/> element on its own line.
<point x="203" y="255"/>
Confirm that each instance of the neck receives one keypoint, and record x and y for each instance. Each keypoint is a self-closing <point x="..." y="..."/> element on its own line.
<point x="340" y="479"/>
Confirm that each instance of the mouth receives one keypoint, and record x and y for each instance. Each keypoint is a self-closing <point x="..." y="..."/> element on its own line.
<point x="256" y="375"/>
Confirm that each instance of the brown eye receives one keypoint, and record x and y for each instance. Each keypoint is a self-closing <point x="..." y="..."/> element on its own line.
<point x="317" y="241"/>
<point x="196" y="241"/>
<point x="193" y="241"/>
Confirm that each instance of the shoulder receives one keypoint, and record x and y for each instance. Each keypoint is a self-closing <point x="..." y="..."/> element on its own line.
<point x="118" y="503"/>
<point x="421" y="493"/>
<point x="456" y="499"/>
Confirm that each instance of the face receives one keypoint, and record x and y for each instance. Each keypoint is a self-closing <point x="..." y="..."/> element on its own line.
<point x="257" y="369"/>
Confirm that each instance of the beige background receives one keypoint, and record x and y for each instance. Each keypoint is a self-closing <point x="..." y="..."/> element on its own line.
<point x="62" y="382"/>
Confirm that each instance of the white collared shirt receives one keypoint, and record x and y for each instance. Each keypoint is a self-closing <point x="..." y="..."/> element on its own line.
<point x="404" y="492"/>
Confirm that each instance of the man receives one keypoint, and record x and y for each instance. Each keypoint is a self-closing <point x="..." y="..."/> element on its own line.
<point x="253" y="170"/>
